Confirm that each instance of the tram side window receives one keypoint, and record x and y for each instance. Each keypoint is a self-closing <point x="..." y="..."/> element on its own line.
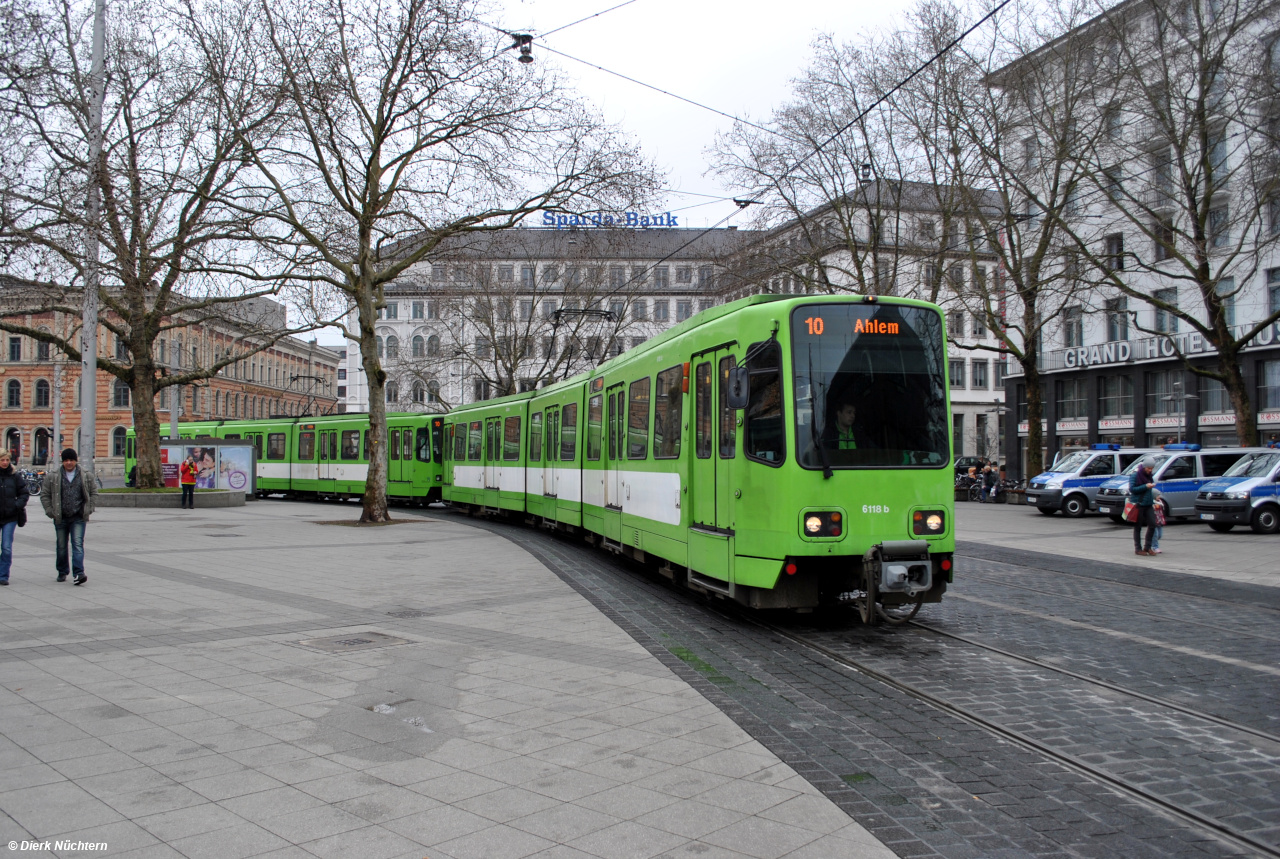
<point x="130" y="450"/>
<point x="365" y="449"/>
<point x="333" y="445"/>
<point x="535" y="437"/>
<point x="490" y="440"/>
<point x="275" y="445"/>
<point x="257" y="444"/>
<point x="595" y="413"/>
<point x="728" y="420"/>
<point x="553" y="433"/>
<point x="511" y="439"/>
<point x="408" y="444"/>
<point x="306" y="446"/>
<point x="324" y="446"/>
<point x="569" y="432"/>
<point x="638" y="419"/>
<point x="474" y="440"/>
<point x="668" y="413"/>
<point x="702" y="410"/>
<point x="423" y="443"/>
<point x="350" y="444"/>
<point x="393" y="449"/>
<point x="459" y="442"/>
<point x="765" y="436"/>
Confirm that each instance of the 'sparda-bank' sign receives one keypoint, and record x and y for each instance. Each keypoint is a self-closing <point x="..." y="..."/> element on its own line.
<point x="626" y="219"/>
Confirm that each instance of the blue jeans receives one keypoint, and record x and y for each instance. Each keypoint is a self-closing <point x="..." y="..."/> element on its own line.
<point x="6" y="549"/>
<point x="75" y="530"/>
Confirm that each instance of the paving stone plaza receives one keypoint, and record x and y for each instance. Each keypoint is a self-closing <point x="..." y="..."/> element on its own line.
<point x="174" y="707"/>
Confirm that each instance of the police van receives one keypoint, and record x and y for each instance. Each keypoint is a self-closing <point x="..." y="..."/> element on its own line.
<point x="1248" y="494"/>
<point x="1071" y="482"/>
<point x="1180" y="471"/>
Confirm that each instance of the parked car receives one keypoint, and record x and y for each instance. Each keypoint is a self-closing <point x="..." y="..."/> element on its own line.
<point x="964" y="463"/>
<point x="1248" y="494"/>
<point x="1071" y="483"/>
<point x="1180" y="472"/>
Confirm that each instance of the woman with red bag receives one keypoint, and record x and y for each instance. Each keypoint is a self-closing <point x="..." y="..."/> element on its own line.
<point x="1142" y="493"/>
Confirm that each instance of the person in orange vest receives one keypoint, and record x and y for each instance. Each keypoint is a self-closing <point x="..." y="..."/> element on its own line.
<point x="187" y="480"/>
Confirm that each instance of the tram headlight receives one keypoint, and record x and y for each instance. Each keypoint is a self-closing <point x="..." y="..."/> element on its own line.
<point x="928" y="523"/>
<point x="823" y="524"/>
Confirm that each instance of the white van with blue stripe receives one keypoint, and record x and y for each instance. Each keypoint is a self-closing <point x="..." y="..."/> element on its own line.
<point x="1248" y="494"/>
<point x="1072" y="481"/>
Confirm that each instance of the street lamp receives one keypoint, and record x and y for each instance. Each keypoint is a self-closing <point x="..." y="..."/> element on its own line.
<point x="1180" y="397"/>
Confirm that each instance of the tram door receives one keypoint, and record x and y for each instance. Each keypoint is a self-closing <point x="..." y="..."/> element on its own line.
<point x="615" y="460"/>
<point x="328" y="453"/>
<point x="492" y="459"/>
<point x="715" y="446"/>
<point x="551" y="451"/>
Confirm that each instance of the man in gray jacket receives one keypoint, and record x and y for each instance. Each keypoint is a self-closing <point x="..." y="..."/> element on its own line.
<point x="68" y="498"/>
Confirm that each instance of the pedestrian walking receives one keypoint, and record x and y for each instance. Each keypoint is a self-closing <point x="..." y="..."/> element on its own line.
<point x="68" y="498"/>
<point x="1142" y="493"/>
<point x="13" y="511"/>
<point x="187" y="480"/>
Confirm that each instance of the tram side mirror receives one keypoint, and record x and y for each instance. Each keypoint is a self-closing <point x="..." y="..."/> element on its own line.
<point x="739" y="388"/>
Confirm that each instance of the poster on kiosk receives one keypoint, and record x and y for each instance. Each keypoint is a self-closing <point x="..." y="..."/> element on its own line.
<point x="219" y="466"/>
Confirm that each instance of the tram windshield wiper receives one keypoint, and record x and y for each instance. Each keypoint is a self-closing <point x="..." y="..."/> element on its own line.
<point x="813" y="420"/>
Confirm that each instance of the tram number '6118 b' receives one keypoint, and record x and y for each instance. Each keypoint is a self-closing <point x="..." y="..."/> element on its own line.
<point x="875" y="508"/>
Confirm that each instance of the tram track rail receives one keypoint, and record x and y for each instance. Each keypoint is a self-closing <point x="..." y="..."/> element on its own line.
<point x="1123" y="786"/>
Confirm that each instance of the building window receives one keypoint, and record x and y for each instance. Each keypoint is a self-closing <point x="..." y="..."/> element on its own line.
<point x="1073" y="327"/>
<point x="433" y="346"/>
<point x="684" y="274"/>
<point x="684" y="309"/>
<point x="13" y="394"/>
<point x="1166" y="321"/>
<point x="342" y="374"/>
<point x="660" y="311"/>
<point x="42" y="394"/>
<point x="1162" y="397"/>
<point x="1219" y="227"/>
<point x="1226" y="292"/>
<point x="342" y="390"/>
<point x="999" y="379"/>
<point x="1214" y="397"/>
<point x="957" y="373"/>
<point x="979" y="371"/>
<point x="617" y="277"/>
<point x="661" y="277"/>
<point x="1164" y="239"/>
<point x="955" y="323"/>
<point x="419" y="346"/>
<point x="1113" y="255"/>
<point x="1113" y="182"/>
<point x="1112" y="124"/>
<point x="393" y="392"/>
<point x="1273" y="290"/>
<point x="419" y="310"/>
<point x="118" y="437"/>
<point x="42" y="351"/>
<point x="1073" y="401"/>
<point x="526" y="276"/>
<point x="120" y="395"/>
<point x="15" y="348"/>
<point x="1269" y="384"/>
<point x="640" y="309"/>
<point x="506" y="273"/>
<point x="1115" y="396"/>
<point x="1117" y="318"/>
<point x="1218" y="157"/>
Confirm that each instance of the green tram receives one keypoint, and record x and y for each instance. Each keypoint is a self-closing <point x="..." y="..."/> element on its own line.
<point x="780" y="451"/>
<point x="328" y="457"/>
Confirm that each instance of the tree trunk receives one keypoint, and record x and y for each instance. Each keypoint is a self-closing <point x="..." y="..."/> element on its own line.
<point x="1035" y="412"/>
<point x="375" y="486"/>
<point x="146" y="427"/>
<point x="1246" y="419"/>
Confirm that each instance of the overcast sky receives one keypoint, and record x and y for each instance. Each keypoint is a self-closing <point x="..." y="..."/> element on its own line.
<point x="738" y="57"/>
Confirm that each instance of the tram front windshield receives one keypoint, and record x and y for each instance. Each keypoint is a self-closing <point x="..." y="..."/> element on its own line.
<point x="870" y="386"/>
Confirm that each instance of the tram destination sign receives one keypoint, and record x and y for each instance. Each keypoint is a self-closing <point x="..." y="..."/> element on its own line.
<point x="626" y="219"/>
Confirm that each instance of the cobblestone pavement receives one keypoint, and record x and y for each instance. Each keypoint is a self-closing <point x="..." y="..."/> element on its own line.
<point x="927" y="783"/>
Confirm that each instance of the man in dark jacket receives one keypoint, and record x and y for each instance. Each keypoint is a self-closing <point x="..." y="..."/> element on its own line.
<point x="68" y="498"/>
<point x="13" y="512"/>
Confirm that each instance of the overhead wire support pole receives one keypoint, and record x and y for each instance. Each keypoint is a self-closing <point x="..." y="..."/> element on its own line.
<point x="88" y="436"/>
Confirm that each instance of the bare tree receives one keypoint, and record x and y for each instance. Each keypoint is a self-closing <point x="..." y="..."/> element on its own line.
<point x="411" y="123"/>
<point x="171" y="152"/>
<point x="1183" y="177"/>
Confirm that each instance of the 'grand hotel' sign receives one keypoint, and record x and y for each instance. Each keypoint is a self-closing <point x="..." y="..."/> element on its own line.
<point x="1150" y="349"/>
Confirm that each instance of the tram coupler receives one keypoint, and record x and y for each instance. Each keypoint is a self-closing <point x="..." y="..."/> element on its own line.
<point x="899" y="567"/>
